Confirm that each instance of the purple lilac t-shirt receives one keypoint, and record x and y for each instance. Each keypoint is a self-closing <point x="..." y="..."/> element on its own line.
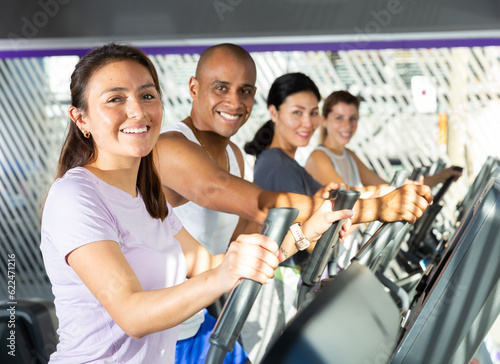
<point x="81" y="209"/>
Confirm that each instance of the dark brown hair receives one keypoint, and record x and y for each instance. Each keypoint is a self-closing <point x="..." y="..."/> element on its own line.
<point x="78" y="151"/>
<point x="333" y="99"/>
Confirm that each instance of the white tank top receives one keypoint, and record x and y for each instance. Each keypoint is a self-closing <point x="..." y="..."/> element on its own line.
<point x="345" y="165"/>
<point x="212" y="229"/>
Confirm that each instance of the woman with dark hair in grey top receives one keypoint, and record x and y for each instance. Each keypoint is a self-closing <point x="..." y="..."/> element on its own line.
<point x="293" y="104"/>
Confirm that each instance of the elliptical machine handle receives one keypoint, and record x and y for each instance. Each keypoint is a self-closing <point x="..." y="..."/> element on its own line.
<point x="240" y="301"/>
<point x="322" y="251"/>
<point x="334" y="193"/>
<point x="399" y="178"/>
<point x="445" y="186"/>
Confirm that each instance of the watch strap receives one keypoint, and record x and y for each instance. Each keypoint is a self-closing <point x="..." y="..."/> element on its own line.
<point x="301" y="242"/>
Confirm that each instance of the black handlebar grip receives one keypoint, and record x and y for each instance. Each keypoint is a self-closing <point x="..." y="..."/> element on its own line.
<point x="322" y="251"/>
<point x="399" y="178"/>
<point x="417" y="173"/>
<point x="240" y="301"/>
<point x="372" y="249"/>
<point x="446" y="184"/>
<point x="334" y="193"/>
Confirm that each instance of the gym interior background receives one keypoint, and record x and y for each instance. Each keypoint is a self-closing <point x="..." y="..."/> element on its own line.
<point x="428" y="73"/>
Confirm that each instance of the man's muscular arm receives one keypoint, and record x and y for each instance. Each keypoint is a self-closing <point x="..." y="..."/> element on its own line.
<point x="189" y="174"/>
<point x="187" y="171"/>
<point x="407" y="202"/>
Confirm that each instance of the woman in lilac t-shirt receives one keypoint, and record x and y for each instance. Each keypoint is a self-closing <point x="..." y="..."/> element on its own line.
<point x="116" y="255"/>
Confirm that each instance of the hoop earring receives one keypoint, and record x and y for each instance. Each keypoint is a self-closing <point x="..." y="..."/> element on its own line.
<point x="86" y="133"/>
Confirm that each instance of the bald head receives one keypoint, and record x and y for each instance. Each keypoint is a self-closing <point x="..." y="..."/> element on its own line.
<point x="224" y="50"/>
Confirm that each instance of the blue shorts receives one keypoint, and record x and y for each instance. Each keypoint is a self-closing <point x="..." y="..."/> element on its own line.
<point x="194" y="350"/>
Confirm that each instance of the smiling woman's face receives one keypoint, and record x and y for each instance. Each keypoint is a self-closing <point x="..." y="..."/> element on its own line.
<point x="341" y="124"/>
<point x="296" y="120"/>
<point x="124" y="111"/>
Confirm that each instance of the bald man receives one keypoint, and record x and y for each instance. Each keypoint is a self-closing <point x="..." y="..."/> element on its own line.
<point x="201" y="169"/>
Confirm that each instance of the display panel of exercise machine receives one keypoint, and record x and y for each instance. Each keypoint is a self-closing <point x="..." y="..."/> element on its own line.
<point x="351" y="320"/>
<point x="460" y="299"/>
<point x="477" y="186"/>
